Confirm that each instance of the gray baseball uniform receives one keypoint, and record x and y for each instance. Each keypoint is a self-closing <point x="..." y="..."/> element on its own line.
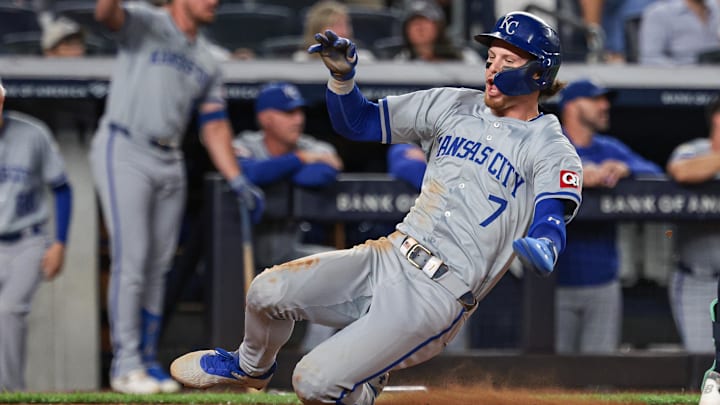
<point x="694" y="283"/>
<point x="484" y="176"/>
<point x="29" y="162"/>
<point x="159" y="78"/>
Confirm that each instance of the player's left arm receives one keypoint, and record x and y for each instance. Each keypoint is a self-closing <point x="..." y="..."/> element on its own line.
<point x="53" y="173"/>
<point x="217" y="135"/>
<point x="54" y="256"/>
<point x="558" y="194"/>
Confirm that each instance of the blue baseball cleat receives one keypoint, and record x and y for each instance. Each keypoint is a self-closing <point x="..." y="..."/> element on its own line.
<point x="207" y="368"/>
<point x="536" y="254"/>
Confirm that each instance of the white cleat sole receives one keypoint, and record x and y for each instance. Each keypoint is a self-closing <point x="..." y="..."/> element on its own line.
<point x="710" y="392"/>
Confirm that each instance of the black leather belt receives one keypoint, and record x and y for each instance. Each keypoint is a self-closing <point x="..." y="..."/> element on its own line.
<point x="162" y="144"/>
<point x="421" y="257"/>
<point x="16" y="236"/>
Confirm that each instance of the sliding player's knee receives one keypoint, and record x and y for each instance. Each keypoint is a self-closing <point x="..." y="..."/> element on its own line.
<point x="265" y="293"/>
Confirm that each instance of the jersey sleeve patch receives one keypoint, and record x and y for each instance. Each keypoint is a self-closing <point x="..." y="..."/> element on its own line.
<point x="569" y="179"/>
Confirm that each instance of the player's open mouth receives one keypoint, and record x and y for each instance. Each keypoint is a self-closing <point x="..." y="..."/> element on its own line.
<point x="491" y="89"/>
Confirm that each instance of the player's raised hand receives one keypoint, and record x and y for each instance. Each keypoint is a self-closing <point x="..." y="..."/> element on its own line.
<point x="250" y="196"/>
<point x="339" y="54"/>
<point x="538" y="254"/>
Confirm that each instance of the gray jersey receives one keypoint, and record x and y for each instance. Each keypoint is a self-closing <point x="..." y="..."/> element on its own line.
<point x="484" y="172"/>
<point x="276" y="241"/>
<point x="29" y="160"/>
<point x="250" y="145"/>
<point x="697" y="241"/>
<point x="160" y="76"/>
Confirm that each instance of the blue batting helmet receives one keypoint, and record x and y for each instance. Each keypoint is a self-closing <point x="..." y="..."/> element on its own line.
<point x="535" y="36"/>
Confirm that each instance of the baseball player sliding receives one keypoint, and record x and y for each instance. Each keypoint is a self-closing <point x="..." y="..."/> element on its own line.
<point x="164" y="71"/>
<point x="29" y="162"/>
<point x="494" y="160"/>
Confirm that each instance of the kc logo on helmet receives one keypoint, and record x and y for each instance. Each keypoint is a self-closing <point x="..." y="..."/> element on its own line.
<point x="569" y="179"/>
<point x="509" y="25"/>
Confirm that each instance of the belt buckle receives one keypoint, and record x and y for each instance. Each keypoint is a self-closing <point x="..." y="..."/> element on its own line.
<point x="411" y="252"/>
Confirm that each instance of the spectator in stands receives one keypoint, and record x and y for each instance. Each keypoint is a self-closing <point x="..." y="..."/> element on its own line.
<point x="280" y="151"/>
<point x="588" y="303"/>
<point x="328" y="15"/>
<point x="425" y="37"/>
<point x="63" y="38"/>
<point x="675" y="32"/>
<point x="694" y="284"/>
<point x="607" y="19"/>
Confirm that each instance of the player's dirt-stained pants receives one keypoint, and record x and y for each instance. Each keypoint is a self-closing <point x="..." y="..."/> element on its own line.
<point x="20" y="277"/>
<point x="142" y="192"/>
<point x="393" y="316"/>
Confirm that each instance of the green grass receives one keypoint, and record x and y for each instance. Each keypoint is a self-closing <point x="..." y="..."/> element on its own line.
<point x="226" y="398"/>
<point x="231" y="398"/>
<point x="634" y="398"/>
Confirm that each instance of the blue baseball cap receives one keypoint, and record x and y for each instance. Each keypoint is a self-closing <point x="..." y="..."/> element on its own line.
<point x="279" y="96"/>
<point x="581" y="88"/>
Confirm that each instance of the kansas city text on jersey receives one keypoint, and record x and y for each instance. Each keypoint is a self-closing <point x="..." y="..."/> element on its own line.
<point x="181" y="63"/>
<point x="496" y="163"/>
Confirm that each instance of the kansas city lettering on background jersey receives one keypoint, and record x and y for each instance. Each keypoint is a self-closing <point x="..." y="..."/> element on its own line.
<point x="156" y="57"/>
<point x="484" y="171"/>
<point x="26" y="144"/>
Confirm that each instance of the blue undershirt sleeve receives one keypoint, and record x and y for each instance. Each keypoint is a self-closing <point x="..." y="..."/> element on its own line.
<point x="267" y="171"/>
<point x="63" y="208"/>
<point x="354" y="116"/>
<point x="548" y="222"/>
<point x="315" y="175"/>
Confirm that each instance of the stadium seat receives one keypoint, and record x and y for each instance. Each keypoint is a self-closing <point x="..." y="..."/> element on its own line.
<point x="248" y="25"/>
<point x="16" y="19"/>
<point x="21" y="43"/>
<point x="371" y="25"/>
<point x="297" y="6"/>
<point x="281" y="47"/>
<point x="387" y="48"/>
<point x="83" y="12"/>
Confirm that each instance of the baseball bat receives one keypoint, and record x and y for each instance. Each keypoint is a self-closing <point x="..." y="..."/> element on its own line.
<point x="247" y="246"/>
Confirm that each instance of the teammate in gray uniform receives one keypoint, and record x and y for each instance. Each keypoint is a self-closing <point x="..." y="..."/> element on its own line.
<point x="29" y="162"/>
<point x="694" y="283"/>
<point x="703" y="163"/>
<point x="501" y="179"/>
<point x="164" y="71"/>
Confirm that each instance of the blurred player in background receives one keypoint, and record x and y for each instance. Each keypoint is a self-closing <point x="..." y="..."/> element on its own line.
<point x="696" y="282"/>
<point x="588" y="299"/>
<point x="494" y="159"/>
<point x="164" y="71"/>
<point x="281" y="151"/>
<point x="29" y="162"/>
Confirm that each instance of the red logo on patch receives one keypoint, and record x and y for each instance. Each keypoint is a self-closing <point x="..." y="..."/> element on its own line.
<point x="569" y="179"/>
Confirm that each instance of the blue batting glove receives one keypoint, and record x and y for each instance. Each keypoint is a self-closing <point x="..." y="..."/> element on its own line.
<point x="250" y="196"/>
<point x="538" y="254"/>
<point x="337" y="53"/>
